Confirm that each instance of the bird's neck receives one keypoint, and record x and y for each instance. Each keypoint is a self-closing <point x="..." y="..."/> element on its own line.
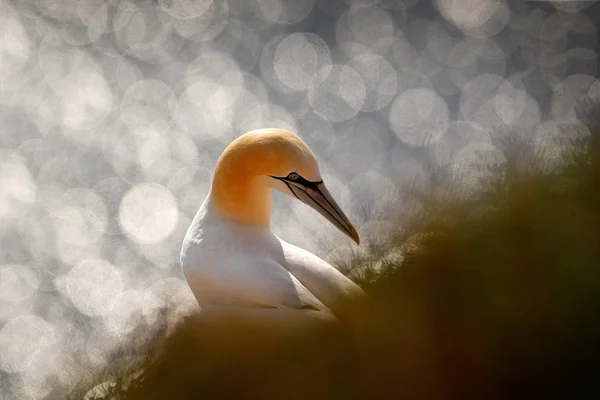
<point x="245" y="199"/>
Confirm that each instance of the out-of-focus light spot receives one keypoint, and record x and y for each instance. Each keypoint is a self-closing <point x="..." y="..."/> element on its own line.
<point x="154" y="156"/>
<point x="148" y="104"/>
<point x="17" y="283"/>
<point x="354" y="146"/>
<point x="369" y="25"/>
<point x="94" y="15"/>
<point x="126" y="313"/>
<point x="205" y="27"/>
<point x="82" y="220"/>
<point x="337" y="93"/>
<point x="172" y="292"/>
<point x="298" y="58"/>
<point x="17" y="188"/>
<point x="241" y="41"/>
<point x="475" y="93"/>
<point x="15" y="46"/>
<point x="93" y="286"/>
<point x="571" y="6"/>
<point x="267" y="115"/>
<point x="143" y="34"/>
<point x="376" y="189"/>
<point x="317" y="133"/>
<point x="412" y="79"/>
<point x="475" y="161"/>
<point x="20" y="339"/>
<point x="475" y="17"/>
<point x="418" y="116"/>
<point x="48" y="368"/>
<point x="185" y="9"/>
<point x="454" y="138"/>
<point x="568" y="94"/>
<point x="148" y="213"/>
<point x="86" y="101"/>
<point x="285" y="12"/>
<point x="112" y="190"/>
<point x="516" y="108"/>
<point x="397" y="5"/>
<point x="553" y="138"/>
<point x="405" y="169"/>
<point x="380" y="80"/>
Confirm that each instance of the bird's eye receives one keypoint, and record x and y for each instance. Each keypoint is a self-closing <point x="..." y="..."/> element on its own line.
<point x="293" y="176"/>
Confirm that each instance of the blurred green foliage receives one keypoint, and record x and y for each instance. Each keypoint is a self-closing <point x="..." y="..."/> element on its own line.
<point x="490" y="295"/>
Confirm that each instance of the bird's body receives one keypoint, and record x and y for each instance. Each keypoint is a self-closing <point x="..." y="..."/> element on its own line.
<point x="234" y="262"/>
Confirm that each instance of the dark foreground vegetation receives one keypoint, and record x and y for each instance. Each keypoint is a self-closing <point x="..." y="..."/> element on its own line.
<point x="494" y="295"/>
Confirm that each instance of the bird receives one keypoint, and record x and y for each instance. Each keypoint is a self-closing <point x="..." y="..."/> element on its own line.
<point x="232" y="261"/>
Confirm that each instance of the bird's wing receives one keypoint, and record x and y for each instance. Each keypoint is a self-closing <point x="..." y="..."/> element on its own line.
<point x="253" y="281"/>
<point x="325" y="282"/>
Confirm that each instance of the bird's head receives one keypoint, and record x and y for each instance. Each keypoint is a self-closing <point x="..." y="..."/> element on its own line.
<point x="282" y="160"/>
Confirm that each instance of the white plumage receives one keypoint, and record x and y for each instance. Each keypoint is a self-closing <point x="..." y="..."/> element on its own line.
<point x="231" y="259"/>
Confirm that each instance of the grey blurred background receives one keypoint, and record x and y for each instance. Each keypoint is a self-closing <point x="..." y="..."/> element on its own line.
<point x="113" y="113"/>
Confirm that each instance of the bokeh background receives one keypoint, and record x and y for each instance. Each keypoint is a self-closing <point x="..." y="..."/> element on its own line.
<point x="113" y="113"/>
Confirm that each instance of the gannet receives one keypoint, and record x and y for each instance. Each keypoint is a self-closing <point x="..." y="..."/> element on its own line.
<point x="231" y="259"/>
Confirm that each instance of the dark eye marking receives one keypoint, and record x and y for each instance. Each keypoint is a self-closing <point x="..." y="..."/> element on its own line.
<point x="297" y="179"/>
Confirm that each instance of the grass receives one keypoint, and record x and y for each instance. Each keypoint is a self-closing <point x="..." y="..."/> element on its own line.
<point x="487" y="295"/>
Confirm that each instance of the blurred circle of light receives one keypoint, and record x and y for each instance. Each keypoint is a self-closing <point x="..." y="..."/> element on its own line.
<point x="571" y="6"/>
<point x="243" y="42"/>
<point x="470" y="15"/>
<point x="517" y="109"/>
<point x="369" y="25"/>
<point x="167" y="292"/>
<point x="474" y="162"/>
<point x="475" y="93"/>
<point x="380" y="80"/>
<point x="551" y="138"/>
<point x="20" y="338"/>
<point x="86" y="101"/>
<point x="143" y="34"/>
<point x="284" y="11"/>
<point x="397" y="5"/>
<point x="154" y="156"/>
<point x="17" y="283"/>
<point x="298" y="58"/>
<point x="355" y="147"/>
<point x="126" y="313"/>
<point x="15" y="46"/>
<point x="583" y="61"/>
<point x="48" y="368"/>
<point x="215" y="81"/>
<point x="82" y="221"/>
<point x="455" y="137"/>
<point x="418" y="116"/>
<point x="569" y="93"/>
<point x="317" y="133"/>
<point x="268" y="115"/>
<point x="94" y="17"/>
<point x="148" y="104"/>
<point x="410" y="47"/>
<point x="148" y="213"/>
<point x="17" y="187"/>
<point x="337" y="93"/>
<point x="185" y="9"/>
<point x="205" y="27"/>
<point x="406" y="171"/>
<point x="93" y="286"/>
<point x="200" y="121"/>
<point x="412" y="79"/>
